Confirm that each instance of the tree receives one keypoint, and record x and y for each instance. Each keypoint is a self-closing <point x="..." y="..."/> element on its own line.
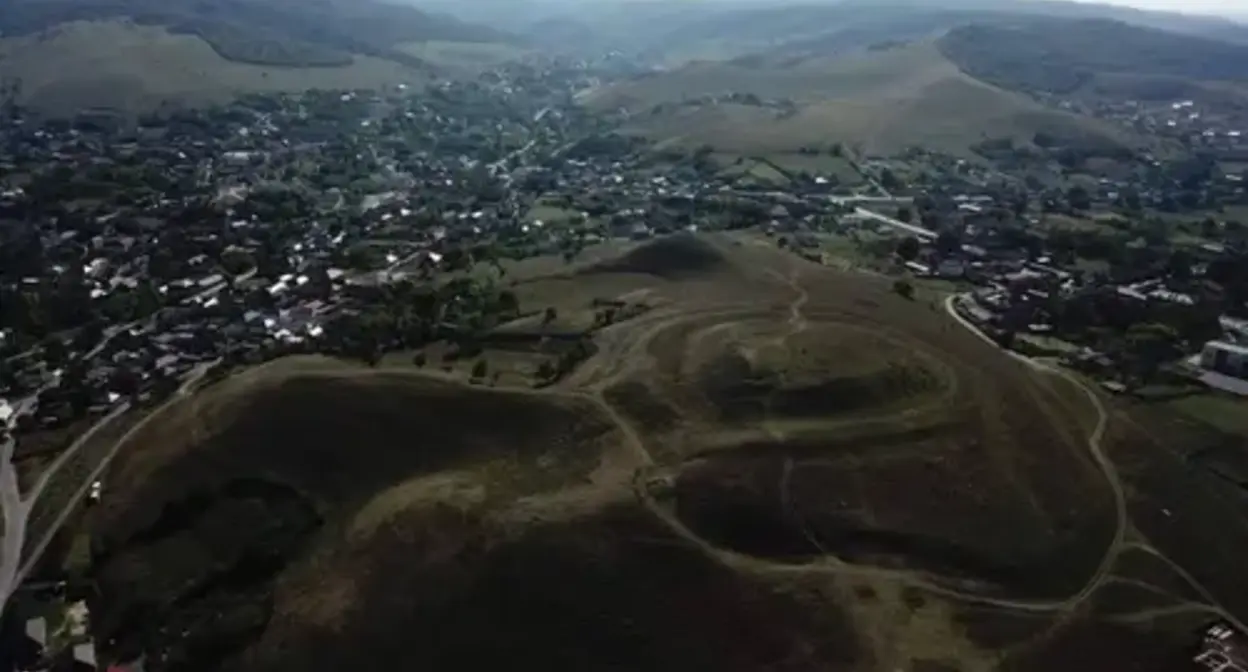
<point x="1180" y="265"/>
<point x="508" y="304"/>
<point x="236" y="261"/>
<point x="545" y="370"/>
<point x="1020" y="204"/>
<point x="1078" y="198"/>
<point x="549" y="316"/>
<point x="54" y="351"/>
<point x="125" y="381"/>
<point x="908" y="248"/>
<point x="948" y="242"/>
<point x="905" y="214"/>
<point x="889" y="180"/>
<point x="1209" y="228"/>
<point x="1130" y="199"/>
<point x="480" y="370"/>
<point x="419" y="359"/>
<point x="1147" y="346"/>
<point x="904" y="288"/>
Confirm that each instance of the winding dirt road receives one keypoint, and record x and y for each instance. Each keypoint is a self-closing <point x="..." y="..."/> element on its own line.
<point x="16" y="508"/>
<point x="1095" y="448"/>
<point x="648" y="471"/>
<point x="1119" y="542"/>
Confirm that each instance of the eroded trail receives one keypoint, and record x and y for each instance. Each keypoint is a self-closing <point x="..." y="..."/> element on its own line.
<point x="649" y="472"/>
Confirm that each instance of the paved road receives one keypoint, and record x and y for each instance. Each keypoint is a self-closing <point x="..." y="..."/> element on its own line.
<point x="897" y="223"/>
<point x="15" y="512"/>
<point x="17" y="508"/>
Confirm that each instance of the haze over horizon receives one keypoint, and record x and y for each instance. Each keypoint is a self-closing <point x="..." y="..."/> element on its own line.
<point x="1237" y="9"/>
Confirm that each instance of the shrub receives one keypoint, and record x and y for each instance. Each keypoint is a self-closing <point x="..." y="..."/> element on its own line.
<point x="904" y="288"/>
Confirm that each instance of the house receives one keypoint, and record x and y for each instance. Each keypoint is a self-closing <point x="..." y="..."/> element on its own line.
<point x="37" y="632"/>
<point x="1226" y="358"/>
<point x="84" y="657"/>
<point x="951" y="268"/>
<point x="1223" y="650"/>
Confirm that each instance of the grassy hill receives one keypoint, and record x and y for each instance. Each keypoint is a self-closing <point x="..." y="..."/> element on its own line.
<point x="270" y="32"/>
<point x="298" y="471"/>
<point x="780" y="466"/>
<point x="136" y="54"/>
<point x="887" y="100"/>
<point x="125" y="67"/>
<point x="689" y="27"/>
<point x="1066" y="55"/>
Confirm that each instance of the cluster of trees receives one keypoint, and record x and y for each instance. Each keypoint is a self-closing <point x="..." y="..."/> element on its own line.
<point x="407" y="315"/>
<point x="550" y="372"/>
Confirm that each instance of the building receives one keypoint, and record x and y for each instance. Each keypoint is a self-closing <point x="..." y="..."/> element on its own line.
<point x="84" y="657"/>
<point x="1228" y="359"/>
<point x="1223" y="650"/>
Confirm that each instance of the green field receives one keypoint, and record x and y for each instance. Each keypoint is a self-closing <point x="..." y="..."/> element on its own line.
<point x="1223" y="412"/>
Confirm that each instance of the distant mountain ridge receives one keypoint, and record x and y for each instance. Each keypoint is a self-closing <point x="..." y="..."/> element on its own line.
<point x="1063" y="55"/>
<point x="649" y="24"/>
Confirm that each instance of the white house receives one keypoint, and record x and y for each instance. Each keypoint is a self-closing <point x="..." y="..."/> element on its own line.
<point x="1226" y="358"/>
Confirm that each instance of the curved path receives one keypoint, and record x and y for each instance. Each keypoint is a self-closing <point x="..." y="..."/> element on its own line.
<point x="833" y="565"/>
<point x="1095" y="448"/>
<point x="1112" y="477"/>
<point x="16" y="508"/>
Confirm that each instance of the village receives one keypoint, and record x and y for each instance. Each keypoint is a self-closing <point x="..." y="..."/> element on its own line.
<point x="138" y="258"/>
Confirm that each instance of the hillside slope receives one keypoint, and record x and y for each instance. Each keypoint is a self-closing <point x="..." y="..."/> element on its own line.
<point x="1061" y="56"/>
<point x="262" y="510"/>
<point x="270" y="32"/>
<point x="887" y="100"/>
<point x="124" y="67"/>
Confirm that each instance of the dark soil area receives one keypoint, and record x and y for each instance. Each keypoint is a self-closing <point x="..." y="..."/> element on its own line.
<point x="996" y="629"/>
<point x="1149" y="569"/>
<point x="612" y="592"/>
<point x="187" y="560"/>
<point x="1124" y="599"/>
<point x="1087" y="644"/>
<point x="741" y="393"/>
<point x="675" y="257"/>
<point x="341" y="439"/>
<point x="195" y="586"/>
<point x="944" y="511"/>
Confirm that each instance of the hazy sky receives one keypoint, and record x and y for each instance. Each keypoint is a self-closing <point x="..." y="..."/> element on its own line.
<point x="1237" y="8"/>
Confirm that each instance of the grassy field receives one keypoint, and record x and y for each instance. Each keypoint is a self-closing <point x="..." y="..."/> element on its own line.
<point x="886" y="101"/>
<point x="121" y="66"/>
<point x="1223" y="412"/>
<point x="780" y="465"/>
<point x="463" y="57"/>
<point x="821" y="164"/>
